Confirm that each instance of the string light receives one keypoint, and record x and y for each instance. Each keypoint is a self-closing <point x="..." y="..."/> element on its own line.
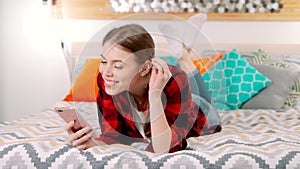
<point x="218" y="6"/>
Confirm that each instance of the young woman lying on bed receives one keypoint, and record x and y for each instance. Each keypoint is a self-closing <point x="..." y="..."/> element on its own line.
<point x="143" y="99"/>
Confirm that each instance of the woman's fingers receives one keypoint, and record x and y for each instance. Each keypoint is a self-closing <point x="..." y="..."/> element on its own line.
<point x="69" y="127"/>
<point x="161" y="65"/>
<point x="87" y="144"/>
<point x="160" y="75"/>
<point x="164" y="65"/>
<point x="75" y="137"/>
<point x="156" y="66"/>
<point x="85" y="138"/>
<point x="81" y="138"/>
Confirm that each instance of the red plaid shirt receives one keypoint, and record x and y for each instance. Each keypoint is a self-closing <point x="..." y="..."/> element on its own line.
<point x="184" y="117"/>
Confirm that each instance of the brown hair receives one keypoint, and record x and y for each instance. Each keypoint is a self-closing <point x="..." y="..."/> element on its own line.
<point x="133" y="38"/>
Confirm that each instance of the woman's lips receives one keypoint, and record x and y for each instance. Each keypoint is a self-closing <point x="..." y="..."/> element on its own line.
<point x="109" y="83"/>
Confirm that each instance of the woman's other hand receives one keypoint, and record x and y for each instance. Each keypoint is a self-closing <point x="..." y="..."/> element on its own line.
<point x="160" y="76"/>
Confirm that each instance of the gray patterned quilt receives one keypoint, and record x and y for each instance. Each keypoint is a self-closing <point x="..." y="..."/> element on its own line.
<point x="249" y="139"/>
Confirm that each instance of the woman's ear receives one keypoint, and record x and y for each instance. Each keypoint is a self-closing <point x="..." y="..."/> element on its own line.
<point x="146" y="68"/>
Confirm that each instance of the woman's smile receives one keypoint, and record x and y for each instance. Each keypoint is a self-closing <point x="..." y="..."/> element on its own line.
<point x="110" y="83"/>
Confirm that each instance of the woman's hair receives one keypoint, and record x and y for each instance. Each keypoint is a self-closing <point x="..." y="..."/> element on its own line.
<point x="134" y="38"/>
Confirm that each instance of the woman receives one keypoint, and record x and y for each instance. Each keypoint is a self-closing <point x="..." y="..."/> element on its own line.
<point x="142" y="98"/>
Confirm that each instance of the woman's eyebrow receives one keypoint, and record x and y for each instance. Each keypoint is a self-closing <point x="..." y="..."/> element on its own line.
<point x="101" y="55"/>
<point x="114" y="60"/>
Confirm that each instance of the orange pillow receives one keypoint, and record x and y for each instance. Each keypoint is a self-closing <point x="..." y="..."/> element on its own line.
<point x="205" y="63"/>
<point x="85" y="87"/>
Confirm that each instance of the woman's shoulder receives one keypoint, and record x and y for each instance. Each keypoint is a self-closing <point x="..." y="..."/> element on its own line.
<point x="176" y="71"/>
<point x="179" y="77"/>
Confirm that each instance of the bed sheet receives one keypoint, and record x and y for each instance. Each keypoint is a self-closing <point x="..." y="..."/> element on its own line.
<point x="249" y="139"/>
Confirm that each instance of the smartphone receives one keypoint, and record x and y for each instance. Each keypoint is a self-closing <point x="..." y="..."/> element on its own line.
<point x="70" y="114"/>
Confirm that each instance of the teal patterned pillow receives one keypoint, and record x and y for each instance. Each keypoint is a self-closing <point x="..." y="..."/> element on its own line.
<point x="233" y="81"/>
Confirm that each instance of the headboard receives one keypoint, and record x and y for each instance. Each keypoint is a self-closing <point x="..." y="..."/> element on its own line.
<point x="285" y="49"/>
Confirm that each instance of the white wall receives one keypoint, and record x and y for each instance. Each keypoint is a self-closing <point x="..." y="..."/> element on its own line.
<point x="257" y="32"/>
<point x="272" y="32"/>
<point x="235" y="34"/>
<point x="33" y="70"/>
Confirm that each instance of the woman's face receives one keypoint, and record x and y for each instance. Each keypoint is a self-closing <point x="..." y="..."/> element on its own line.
<point x="118" y="68"/>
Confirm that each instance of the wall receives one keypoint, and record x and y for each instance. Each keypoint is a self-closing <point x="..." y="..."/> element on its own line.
<point x="33" y="70"/>
<point x="257" y="32"/>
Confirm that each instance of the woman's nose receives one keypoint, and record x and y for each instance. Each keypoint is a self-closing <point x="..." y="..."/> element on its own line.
<point x="107" y="71"/>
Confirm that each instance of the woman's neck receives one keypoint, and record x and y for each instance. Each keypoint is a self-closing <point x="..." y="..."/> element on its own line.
<point x="140" y="89"/>
<point x="140" y="94"/>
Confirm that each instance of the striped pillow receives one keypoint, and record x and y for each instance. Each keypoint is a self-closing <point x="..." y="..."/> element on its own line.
<point x="263" y="58"/>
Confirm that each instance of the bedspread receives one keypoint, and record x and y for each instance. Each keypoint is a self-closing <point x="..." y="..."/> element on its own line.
<point x="249" y="139"/>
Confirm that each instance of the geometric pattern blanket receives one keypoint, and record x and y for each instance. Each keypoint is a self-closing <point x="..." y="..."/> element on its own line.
<point x="249" y="139"/>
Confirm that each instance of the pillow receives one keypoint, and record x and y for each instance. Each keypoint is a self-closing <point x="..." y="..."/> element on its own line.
<point x="202" y="63"/>
<point x="85" y="87"/>
<point x="205" y="63"/>
<point x="263" y="58"/>
<point x="273" y="96"/>
<point x="233" y="81"/>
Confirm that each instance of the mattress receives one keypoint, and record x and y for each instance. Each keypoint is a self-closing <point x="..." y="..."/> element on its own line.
<point x="251" y="138"/>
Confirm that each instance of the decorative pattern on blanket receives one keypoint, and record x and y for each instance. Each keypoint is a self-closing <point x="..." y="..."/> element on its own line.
<point x="249" y="139"/>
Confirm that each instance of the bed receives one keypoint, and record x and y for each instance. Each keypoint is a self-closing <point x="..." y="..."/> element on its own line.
<point x="250" y="138"/>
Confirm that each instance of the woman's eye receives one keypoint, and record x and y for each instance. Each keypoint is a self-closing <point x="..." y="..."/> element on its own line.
<point x="103" y="61"/>
<point x="118" y="67"/>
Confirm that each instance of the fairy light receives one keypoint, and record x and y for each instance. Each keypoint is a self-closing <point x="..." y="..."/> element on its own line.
<point x="219" y="6"/>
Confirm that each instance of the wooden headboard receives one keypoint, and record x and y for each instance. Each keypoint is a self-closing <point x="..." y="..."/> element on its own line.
<point x="101" y="9"/>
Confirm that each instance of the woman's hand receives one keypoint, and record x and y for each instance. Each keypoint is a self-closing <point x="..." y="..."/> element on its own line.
<point x="161" y="133"/>
<point x="160" y="76"/>
<point x="82" y="138"/>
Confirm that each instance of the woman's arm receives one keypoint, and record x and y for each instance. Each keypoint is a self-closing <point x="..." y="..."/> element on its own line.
<point x="174" y="116"/>
<point x="160" y="130"/>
